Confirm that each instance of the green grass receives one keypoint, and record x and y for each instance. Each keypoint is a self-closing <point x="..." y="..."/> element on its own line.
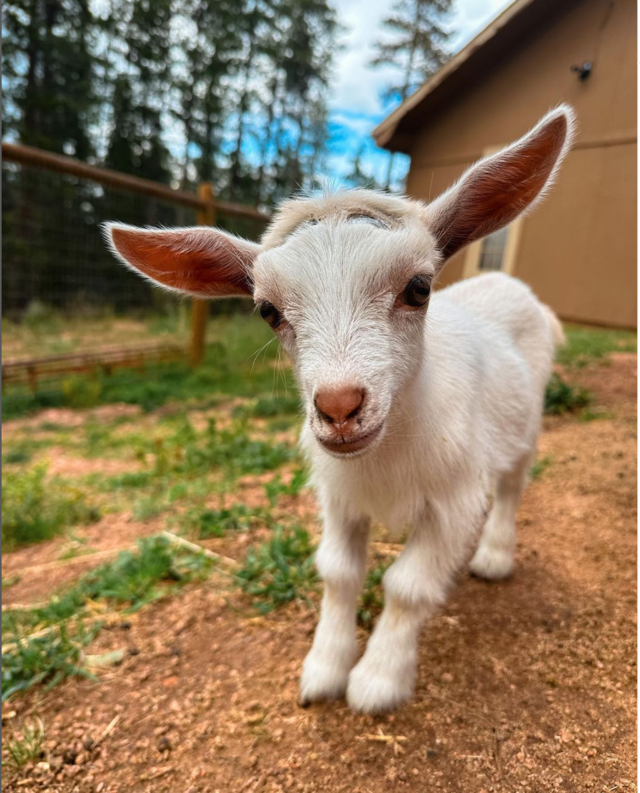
<point x="149" y="507"/>
<point x="279" y="571"/>
<point x="276" y="487"/>
<point x="183" y="465"/>
<point x="133" y="579"/>
<point x="229" y="449"/>
<point x="561" y="397"/>
<point x="595" y="414"/>
<point x="22" y="450"/>
<point x="26" y="746"/>
<point x="539" y="467"/>
<point x="35" y="508"/>
<point x="372" y="597"/>
<point x="239" y="362"/>
<point x="127" y="481"/>
<point x="51" y="426"/>
<point x="46" y="659"/>
<point x="217" y="522"/>
<point x="586" y="345"/>
<point x="269" y="407"/>
<point x="17" y="455"/>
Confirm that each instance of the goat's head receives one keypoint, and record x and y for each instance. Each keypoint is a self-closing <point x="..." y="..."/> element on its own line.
<point x="344" y="280"/>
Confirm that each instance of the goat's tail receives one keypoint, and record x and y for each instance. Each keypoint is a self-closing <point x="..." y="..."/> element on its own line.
<point x="559" y="339"/>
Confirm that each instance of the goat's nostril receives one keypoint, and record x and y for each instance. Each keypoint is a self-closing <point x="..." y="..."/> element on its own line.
<point x="338" y="405"/>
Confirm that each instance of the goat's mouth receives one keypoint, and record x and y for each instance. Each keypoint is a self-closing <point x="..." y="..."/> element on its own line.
<point x="350" y="447"/>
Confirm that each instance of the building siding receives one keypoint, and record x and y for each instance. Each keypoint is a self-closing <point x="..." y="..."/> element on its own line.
<point x="578" y="248"/>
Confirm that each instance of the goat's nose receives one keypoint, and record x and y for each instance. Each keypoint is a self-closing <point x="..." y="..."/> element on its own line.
<point x="338" y="405"/>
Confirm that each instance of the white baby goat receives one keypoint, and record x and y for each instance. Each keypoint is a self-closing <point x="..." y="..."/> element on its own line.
<point x="418" y="407"/>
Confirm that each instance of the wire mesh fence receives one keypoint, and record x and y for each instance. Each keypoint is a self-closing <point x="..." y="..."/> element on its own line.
<point x="53" y="252"/>
<point x="63" y="292"/>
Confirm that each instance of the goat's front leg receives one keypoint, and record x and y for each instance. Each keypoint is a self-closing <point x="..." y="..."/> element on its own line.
<point x="340" y="560"/>
<point x="415" y="585"/>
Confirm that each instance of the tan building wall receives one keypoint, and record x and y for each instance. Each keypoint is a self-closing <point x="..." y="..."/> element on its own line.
<point x="578" y="248"/>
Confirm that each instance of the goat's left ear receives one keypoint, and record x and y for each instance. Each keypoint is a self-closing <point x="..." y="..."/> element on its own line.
<point x="494" y="191"/>
<point x="198" y="261"/>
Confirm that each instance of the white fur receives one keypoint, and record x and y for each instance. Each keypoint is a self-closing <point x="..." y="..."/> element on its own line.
<point x="461" y="427"/>
<point x="454" y="391"/>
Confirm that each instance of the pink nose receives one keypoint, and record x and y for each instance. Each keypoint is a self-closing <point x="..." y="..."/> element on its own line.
<point x="339" y="406"/>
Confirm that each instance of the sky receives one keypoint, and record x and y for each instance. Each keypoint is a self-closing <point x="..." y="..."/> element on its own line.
<point x="355" y="99"/>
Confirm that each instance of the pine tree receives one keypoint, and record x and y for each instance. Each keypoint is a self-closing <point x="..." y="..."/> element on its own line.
<point x="140" y="70"/>
<point x="252" y="15"/>
<point x="231" y="91"/>
<point x="418" y="50"/>
<point x="48" y="76"/>
<point x="205" y="53"/>
<point x="357" y="177"/>
<point x="309" y="28"/>
<point x="48" y="71"/>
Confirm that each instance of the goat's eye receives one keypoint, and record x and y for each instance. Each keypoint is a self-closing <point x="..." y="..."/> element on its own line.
<point x="270" y="314"/>
<point x="416" y="292"/>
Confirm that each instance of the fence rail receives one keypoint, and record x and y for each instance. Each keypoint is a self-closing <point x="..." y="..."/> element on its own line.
<point x="31" y="370"/>
<point x="28" y="155"/>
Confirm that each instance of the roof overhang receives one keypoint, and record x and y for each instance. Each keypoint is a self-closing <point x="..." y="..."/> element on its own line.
<point x="482" y="54"/>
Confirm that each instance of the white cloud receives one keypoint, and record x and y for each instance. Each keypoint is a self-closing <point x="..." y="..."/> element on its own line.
<point x="355" y="97"/>
<point x="470" y="17"/>
<point x="356" y="85"/>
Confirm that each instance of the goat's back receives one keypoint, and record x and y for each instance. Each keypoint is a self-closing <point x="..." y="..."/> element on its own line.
<point x="508" y="309"/>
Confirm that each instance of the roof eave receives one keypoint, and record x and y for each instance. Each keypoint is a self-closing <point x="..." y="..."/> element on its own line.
<point x="386" y="133"/>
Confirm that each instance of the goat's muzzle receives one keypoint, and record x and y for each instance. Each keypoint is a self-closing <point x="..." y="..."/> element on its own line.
<point x="339" y="408"/>
<point x="342" y="424"/>
<point x="352" y="444"/>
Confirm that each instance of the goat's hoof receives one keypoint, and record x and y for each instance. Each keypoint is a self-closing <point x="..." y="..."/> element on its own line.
<point x="493" y="564"/>
<point x="372" y="692"/>
<point x="323" y="678"/>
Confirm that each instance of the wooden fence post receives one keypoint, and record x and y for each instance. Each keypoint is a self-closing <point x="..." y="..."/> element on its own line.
<point x="200" y="308"/>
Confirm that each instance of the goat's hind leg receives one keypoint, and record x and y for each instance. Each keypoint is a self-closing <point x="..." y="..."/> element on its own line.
<point x="494" y="557"/>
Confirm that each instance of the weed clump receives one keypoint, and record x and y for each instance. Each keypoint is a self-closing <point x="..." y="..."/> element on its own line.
<point x="279" y="571"/>
<point x="35" y="508"/>
<point x="372" y="598"/>
<point x="276" y="487"/>
<point x="47" y="659"/>
<point x="269" y="407"/>
<point x="133" y="579"/>
<point x="539" y="467"/>
<point x="27" y="746"/>
<point x="561" y="398"/>
<point x="230" y="449"/>
<point x="588" y="345"/>
<point x="217" y="522"/>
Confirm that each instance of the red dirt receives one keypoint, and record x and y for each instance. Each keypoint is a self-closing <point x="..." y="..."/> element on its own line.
<point x="68" y="418"/>
<point x="527" y="685"/>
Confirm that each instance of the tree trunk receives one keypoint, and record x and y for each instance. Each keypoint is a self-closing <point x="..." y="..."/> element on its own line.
<point x="234" y="171"/>
<point x="405" y="87"/>
<point x="268" y="139"/>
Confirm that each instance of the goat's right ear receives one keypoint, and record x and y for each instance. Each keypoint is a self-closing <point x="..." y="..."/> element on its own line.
<point x="198" y="261"/>
<point x="494" y="191"/>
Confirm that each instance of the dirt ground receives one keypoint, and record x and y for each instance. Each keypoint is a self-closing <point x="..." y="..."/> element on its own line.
<point x="526" y="685"/>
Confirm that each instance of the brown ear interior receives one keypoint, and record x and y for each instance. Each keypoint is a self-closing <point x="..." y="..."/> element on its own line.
<point x="202" y="262"/>
<point x="497" y="190"/>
